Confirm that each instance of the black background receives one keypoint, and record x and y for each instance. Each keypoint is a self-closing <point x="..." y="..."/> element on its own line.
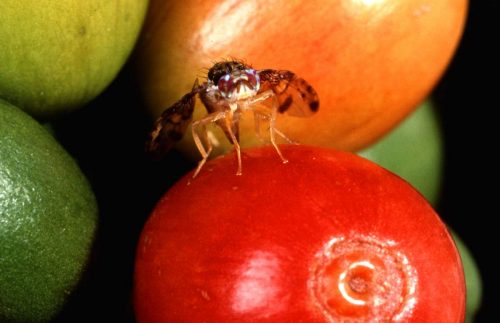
<point x="107" y="138"/>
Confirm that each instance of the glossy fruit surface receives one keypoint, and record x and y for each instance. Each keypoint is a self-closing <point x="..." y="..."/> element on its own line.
<point x="414" y="151"/>
<point x="58" y="55"/>
<point x="371" y="61"/>
<point x="48" y="217"/>
<point x="327" y="236"/>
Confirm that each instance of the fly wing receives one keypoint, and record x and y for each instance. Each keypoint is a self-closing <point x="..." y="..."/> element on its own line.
<point x="171" y="125"/>
<point x="295" y="95"/>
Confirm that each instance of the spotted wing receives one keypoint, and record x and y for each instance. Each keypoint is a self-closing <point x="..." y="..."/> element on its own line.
<point x="171" y="125"/>
<point x="295" y="95"/>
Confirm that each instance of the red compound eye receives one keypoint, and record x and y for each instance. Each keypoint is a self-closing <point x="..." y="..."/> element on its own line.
<point x="252" y="78"/>
<point x="226" y="85"/>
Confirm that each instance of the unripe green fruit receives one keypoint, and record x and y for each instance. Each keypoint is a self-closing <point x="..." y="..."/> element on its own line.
<point x="58" y="55"/>
<point x="48" y="217"/>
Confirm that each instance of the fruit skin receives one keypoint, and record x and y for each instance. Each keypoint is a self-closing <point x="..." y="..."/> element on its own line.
<point x="371" y="62"/>
<point x="58" y="55"/>
<point x="414" y="151"/>
<point x="473" y="279"/>
<point x="48" y="217"/>
<point x="204" y="230"/>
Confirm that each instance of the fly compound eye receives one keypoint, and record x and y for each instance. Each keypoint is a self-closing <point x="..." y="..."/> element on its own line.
<point x="252" y="78"/>
<point x="226" y="86"/>
<point x="239" y="84"/>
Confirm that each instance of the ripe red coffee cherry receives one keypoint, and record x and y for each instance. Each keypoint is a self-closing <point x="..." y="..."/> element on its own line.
<point x="327" y="237"/>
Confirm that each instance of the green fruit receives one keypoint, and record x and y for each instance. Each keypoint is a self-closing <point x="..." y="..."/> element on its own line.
<point x="48" y="217"/>
<point x="58" y="55"/>
<point x="472" y="280"/>
<point x="414" y="151"/>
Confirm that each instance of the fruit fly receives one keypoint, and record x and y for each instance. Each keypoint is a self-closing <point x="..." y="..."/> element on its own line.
<point x="233" y="87"/>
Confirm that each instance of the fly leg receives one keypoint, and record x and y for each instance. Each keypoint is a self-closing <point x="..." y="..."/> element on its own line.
<point x="200" y="136"/>
<point x="230" y="132"/>
<point x="258" y="117"/>
<point x="271" y="117"/>
<point x="273" y="130"/>
<point x="265" y="115"/>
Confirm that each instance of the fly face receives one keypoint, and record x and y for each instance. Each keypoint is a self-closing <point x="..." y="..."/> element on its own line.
<point x="239" y="85"/>
<point x="232" y="87"/>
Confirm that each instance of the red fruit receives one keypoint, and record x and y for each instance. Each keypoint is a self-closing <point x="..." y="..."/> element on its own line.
<point x="327" y="237"/>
